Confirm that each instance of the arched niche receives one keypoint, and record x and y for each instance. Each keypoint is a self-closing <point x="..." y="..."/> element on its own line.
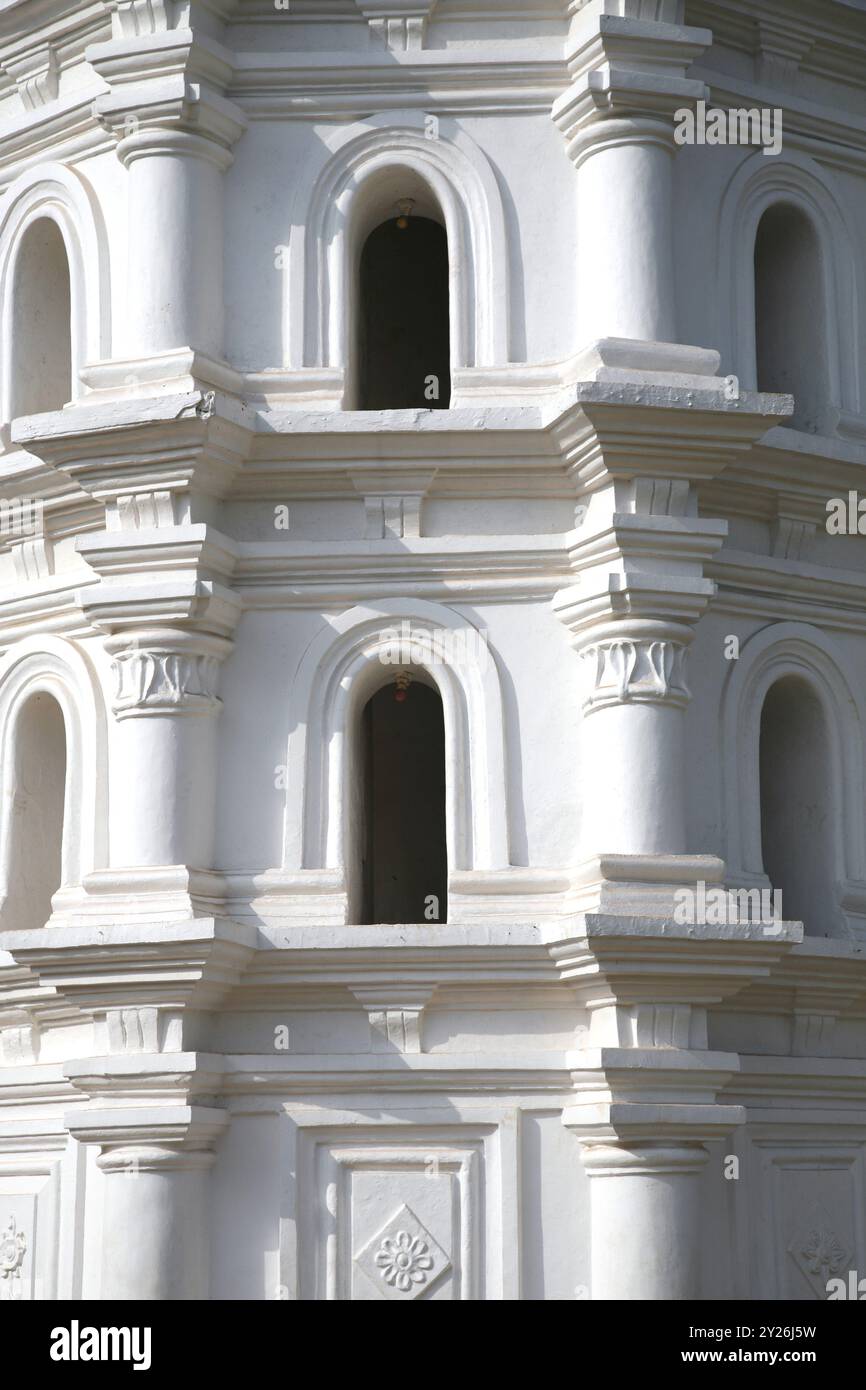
<point x="344" y="665"/>
<point x="53" y="193"/>
<point x="799" y="652"/>
<point x="54" y="668"/>
<point x="800" y="183"/>
<point x="34" y="799"/>
<point x="791" y="319"/>
<point x="41" y="365"/>
<point x="797" y="805"/>
<point x="393" y="153"/>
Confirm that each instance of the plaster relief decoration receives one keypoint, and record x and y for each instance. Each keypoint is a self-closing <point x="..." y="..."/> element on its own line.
<point x="36" y="76"/>
<point x="399" y="23"/>
<point x="403" y="1260"/>
<point x="634" y="670"/>
<point x="819" y="1253"/>
<point x="13" y="1248"/>
<point x="149" y="682"/>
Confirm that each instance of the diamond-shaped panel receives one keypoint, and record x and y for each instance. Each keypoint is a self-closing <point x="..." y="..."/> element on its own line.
<point x="403" y="1260"/>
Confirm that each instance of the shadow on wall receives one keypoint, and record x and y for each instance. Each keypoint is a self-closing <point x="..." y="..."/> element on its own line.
<point x="35" y="805"/>
<point x="796" y="806"/>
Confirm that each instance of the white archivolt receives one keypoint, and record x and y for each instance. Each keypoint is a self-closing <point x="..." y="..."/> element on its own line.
<point x="327" y="234"/>
<point x="53" y="666"/>
<point x="338" y="673"/>
<point x="53" y="191"/>
<point x="790" y="649"/>
<point x="794" y="179"/>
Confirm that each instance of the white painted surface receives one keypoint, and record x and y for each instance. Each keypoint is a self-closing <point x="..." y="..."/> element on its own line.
<point x="212" y="1083"/>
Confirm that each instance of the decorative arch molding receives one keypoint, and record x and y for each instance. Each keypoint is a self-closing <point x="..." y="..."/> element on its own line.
<point x="340" y="670"/>
<point x="325" y="235"/>
<point x="792" y="649"/>
<point x="54" y="666"/>
<point x="51" y="190"/>
<point x="757" y="185"/>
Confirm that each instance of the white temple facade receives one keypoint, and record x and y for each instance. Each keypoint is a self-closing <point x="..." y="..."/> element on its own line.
<point x="432" y="649"/>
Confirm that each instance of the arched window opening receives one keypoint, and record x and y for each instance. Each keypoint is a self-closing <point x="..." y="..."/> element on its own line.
<point x="401" y="827"/>
<point x="35" y="803"/>
<point x="790" y="315"/>
<point x="404" y="330"/>
<point x="41" y="322"/>
<point x="796" y="807"/>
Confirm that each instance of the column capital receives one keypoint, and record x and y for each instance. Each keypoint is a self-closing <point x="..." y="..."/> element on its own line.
<point x="178" y="107"/>
<point x="149" y="1139"/>
<point x="628" y="64"/>
<point x="604" y="1158"/>
<point x="166" y="673"/>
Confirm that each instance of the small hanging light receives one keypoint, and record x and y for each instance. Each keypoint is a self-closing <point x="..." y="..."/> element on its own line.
<point x="406" y="206"/>
<point x="402" y="681"/>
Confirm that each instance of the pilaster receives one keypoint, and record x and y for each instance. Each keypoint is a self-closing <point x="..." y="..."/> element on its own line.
<point x="649" y="1090"/>
<point x="628" y="66"/>
<point x="175" y="131"/>
<point x="639" y="557"/>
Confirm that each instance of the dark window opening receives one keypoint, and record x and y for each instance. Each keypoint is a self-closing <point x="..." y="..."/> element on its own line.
<point x="790" y="315"/>
<point x="404" y="337"/>
<point x="404" y="858"/>
<point x="796" y="810"/>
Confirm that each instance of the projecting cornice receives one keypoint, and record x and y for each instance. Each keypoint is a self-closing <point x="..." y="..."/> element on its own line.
<point x="627" y="64"/>
<point x="826" y="38"/>
<point x="167" y="90"/>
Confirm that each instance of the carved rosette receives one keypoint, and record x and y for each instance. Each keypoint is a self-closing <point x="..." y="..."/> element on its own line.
<point x="13" y="1248"/>
<point x="634" y="670"/>
<point x="153" y="681"/>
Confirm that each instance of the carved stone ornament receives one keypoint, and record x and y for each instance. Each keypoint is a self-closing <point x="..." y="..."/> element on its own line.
<point x="819" y="1253"/>
<point x="403" y="1260"/>
<point x="13" y="1248"/>
<point x="651" y="671"/>
<point x="165" y="682"/>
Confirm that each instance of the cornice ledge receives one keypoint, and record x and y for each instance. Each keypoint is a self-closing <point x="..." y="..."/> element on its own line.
<point x="634" y="961"/>
<point x="537" y="1072"/>
<point x="174" y="1129"/>
<point x="138" y="981"/>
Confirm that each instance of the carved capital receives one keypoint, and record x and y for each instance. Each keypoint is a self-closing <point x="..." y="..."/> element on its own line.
<point x="166" y="678"/>
<point x="625" y="670"/>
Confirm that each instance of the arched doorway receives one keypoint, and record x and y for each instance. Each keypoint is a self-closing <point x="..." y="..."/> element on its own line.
<point x="404" y="871"/>
<point x="404" y="326"/>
